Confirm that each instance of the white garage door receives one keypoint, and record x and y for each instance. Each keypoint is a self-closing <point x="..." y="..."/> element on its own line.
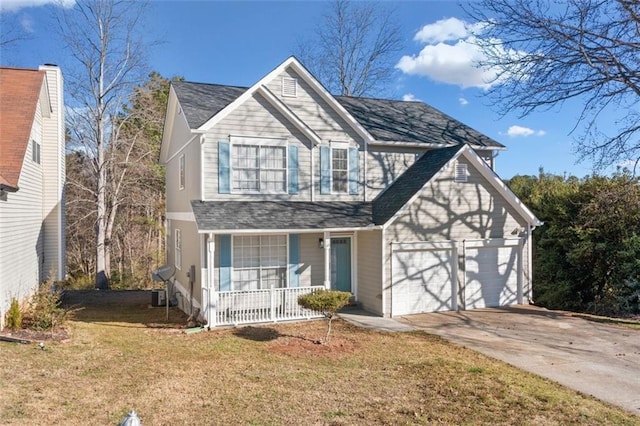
<point x="423" y="276"/>
<point x="491" y="273"/>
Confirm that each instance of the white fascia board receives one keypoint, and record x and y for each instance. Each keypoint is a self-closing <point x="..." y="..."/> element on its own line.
<point x="290" y="115"/>
<point x="183" y="216"/>
<point x="246" y="95"/>
<point x="285" y="231"/>
<point x="499" y="185"/>
<point x="428" y="145"/>
<point x="167" y="131"/>
<point x="417" y="194"/>
<point x="179" y="151"/>
<point x="328" y="97"/>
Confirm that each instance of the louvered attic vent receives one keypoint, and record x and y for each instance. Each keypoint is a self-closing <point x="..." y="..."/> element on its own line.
<point x="461" y="172"/>
<point x="289" y="87"/>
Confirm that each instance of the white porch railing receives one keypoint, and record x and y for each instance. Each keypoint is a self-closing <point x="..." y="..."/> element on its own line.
<point x="253" y="306"/>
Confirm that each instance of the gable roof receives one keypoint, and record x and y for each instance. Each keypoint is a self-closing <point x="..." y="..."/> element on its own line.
<point x="401" y="193"/>
<point x="412" y="122"/>
<point x="214" y="216"/>
<point x="201" y="101"/>
<point x="387" y="121"/>
<point x="19" y="94"/>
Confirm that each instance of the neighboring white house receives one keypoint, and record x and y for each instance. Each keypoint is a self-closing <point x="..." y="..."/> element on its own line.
<point x="32" y="177"/>
<point x="281" y="188"/>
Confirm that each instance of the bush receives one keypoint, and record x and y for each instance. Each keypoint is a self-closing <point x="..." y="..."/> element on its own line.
<point x="45" y="311"/>
<point x="14" y="315"/>
<point x="328" y="302"/>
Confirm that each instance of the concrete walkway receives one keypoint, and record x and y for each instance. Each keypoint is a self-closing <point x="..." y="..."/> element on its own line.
<point x="602" y="360"/>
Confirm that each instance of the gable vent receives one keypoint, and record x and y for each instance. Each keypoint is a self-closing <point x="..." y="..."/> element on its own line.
<point x="461" y="172"/>
<point x="289" y="87"/>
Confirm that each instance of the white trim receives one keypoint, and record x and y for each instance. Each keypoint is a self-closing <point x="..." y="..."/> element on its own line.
<point x="308" y="78"/>
<point x="182" y="148"/>
<point x="483" y="168"/>
<point x="424" y="245"/>
<point x="183" y="216"/>
<point x="427" y="145"/>
<point x="257" y="140"/>
<point x="281" y="230"/>
<point x="386" y="287"/>
<point x="293" y="118"/>
<point x="203" y="139"/>
<point x="493" y="242"/>
<point x="182" y="172"/>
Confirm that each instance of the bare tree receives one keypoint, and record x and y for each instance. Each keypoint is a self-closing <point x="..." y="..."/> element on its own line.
<point x="104" y="39"/>
<point x="353" y="50"/>
<point x="547" y="52"/>
<point x="12" y="32"/>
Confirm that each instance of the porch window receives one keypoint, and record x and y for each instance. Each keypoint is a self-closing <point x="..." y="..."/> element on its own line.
<point x="258" y="168"/>
<point x="259" y="262"/>
<point x="340" y="170"/>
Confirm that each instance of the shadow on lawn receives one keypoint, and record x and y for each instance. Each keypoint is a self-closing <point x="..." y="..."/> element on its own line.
<point x="121" y="306"/>
<point x="265" y="334"/>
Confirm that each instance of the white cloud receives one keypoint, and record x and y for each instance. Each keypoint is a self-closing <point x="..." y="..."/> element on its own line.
<point x="451" y="55"/>
<point x="409" y="97"/>
<point x="463" y="101"/>
<point x="15" y="5"/>
<point x="521" y="131"/>
<point x="449" y="29"/>
<point x="27" y="24"/>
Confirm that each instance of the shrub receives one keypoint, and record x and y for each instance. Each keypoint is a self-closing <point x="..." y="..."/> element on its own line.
<point x="45" y="311"/>
<point x="14" y="315"/>
<point x="328" y="302"/>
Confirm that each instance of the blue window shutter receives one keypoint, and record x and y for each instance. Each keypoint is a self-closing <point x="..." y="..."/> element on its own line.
<point x="325" y="170"/>
<point x="294" y="260"/>
<point x="354" y="171"/>
<point x="293" y="169"/>
<point x="225" y="262"/>
<point x="224" y="170"/>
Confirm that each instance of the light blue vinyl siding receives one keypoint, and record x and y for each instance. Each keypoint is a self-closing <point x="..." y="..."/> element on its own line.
<point x="225" y="262"/>
<point x="294" y="260"/>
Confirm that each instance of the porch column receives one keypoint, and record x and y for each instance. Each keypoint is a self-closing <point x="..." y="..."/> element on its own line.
<point x="327" y="260"/>
<point x="211" y="288"/>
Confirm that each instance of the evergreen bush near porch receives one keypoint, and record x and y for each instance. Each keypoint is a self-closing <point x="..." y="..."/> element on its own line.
<point x="328" y="302"/>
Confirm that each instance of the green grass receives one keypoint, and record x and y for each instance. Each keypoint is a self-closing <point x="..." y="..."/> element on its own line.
<point x="121" y="358"/>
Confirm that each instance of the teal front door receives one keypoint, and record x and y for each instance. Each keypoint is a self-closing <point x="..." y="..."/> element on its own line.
<point x="341" y="264"/>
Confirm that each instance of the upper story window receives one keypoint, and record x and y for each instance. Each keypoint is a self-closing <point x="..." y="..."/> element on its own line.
<point x="259" y="169"/>
<point x="182" y="172"/>
<point x="339" y="170"/>
<point x="35" y="151"/>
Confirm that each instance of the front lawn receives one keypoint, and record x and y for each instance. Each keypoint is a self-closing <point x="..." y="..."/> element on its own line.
<point x="121" y="358"/>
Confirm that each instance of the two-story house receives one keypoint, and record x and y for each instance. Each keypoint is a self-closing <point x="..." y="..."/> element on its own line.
<point x="32" y="177"/>
<point x="281" y="188"/>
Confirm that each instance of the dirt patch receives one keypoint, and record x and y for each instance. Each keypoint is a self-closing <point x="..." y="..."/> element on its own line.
<point x="33" y="336"/>
<point x="303" y="347"/>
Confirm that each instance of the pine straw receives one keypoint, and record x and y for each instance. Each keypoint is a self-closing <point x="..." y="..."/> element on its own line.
<point x="271" y="374"/>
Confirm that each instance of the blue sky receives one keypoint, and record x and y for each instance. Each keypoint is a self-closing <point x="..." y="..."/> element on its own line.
<point x="237" y="43"/>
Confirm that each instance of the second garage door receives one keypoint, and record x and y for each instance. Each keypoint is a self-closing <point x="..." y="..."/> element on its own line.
<point x="423" y="276"/>
<point x="492" y="273"/>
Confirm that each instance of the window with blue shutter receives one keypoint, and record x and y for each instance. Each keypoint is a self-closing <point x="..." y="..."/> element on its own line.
<point x="354" y="171"/>
<point x="294" y="260"/>
<point x="224" y="171"/>
<point x="293" y="169"/>
<point x="325" y="170"/>
<point x="225" y="262"/>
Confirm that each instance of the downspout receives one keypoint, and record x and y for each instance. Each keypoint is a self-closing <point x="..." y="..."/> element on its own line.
<point x="312" y="174"/>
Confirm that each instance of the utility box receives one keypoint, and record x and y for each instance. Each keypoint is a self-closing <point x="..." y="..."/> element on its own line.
<point x="158" y="297"/>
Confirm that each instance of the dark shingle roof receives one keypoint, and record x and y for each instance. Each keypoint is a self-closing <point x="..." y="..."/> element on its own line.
<point x="385" y="120"/>
<point x="202" y="101"/>
<point x="234" y="215"/>
<point x="411" y="121"/>
<point x="410" y="182"/>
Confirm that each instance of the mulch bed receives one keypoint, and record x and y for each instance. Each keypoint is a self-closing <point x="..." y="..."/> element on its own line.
<point x="34" y="336"/>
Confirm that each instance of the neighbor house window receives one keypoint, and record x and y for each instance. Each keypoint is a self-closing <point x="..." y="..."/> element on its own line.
<point x="35" y="151"/>
<point x="259" y="168"/>
<point x="182" y="172"/>
<point x="178" y="250"/>
<point x="339" y="170"/>
<point x="259" y="262"/>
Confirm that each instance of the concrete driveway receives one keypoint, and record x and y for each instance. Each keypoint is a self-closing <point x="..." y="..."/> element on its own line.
<point x="594" y="358"/>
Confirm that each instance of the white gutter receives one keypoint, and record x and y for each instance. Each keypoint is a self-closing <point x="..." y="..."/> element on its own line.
<point x="286" y="231"/>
